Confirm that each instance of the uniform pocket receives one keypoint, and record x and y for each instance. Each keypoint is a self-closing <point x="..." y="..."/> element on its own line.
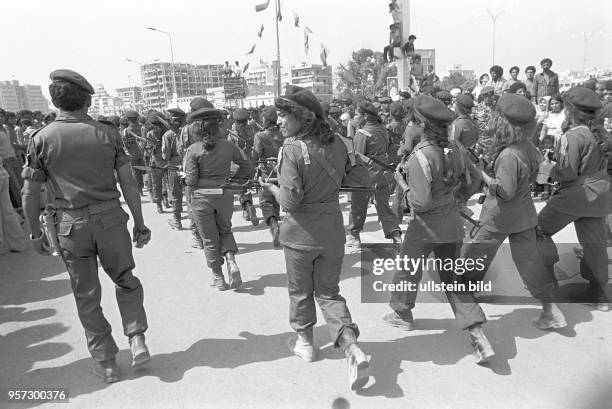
<point x="114" y="218"/>
<point x="64" y="229"/>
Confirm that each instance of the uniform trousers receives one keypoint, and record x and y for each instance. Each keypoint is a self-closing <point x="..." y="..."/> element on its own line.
<point x="13" y="166"/>
<point x="12" y="237"/>
<point x="359" y="211"/>
<point x="531" y="267"/>
<point x="137" y="174"/>
<point x="464" y="306"/>
<point x="591" y="233"/>
<point x="83" y="238"/>
<point x="315" y="275"/>
<point x="176" y="191"/>
<point x="156" y="177"/>
<point x="213" y="217"/>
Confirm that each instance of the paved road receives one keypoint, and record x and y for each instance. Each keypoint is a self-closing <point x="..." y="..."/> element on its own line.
<point x="227" y="350"/>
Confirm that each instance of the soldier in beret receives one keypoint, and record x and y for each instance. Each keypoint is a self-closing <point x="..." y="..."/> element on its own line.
<point x="266" y="145"/>
<point x="313" y="163"/>
<point x="82" y="160"/>
<point x="584" y="197"/>
<point x="242" y="136"/>
<point x="132" y="146"/>
<point x="433" y="171"/>
<point x="508" y="211"/>
<point x="171" y="155"/>
<point x="156" y="175"/>
<point x="207" y="165"/>
<point x="372" y="141"/>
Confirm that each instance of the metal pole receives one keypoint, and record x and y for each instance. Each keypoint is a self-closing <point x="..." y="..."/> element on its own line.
<point x="277" y="89"/>
<point x="175" y="91"/>
<point x="493" y="41"/>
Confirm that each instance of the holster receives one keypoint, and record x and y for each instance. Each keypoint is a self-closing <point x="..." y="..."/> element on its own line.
<point x="48" y="219"/>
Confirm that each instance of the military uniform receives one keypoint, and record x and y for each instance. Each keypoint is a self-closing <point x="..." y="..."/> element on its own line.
<point x="373" y="141"/>
<point x="212" y="213"/>
<point x="244" y="142"/>
<point x="171" y="155"/>
<point x="78" y="157"/>
<point x="133" y="147"/>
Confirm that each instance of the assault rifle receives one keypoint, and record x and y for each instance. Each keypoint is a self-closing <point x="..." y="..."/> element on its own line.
<point x="167" y="167"/>
<point x="240" y="185"/>
<point x="368" y="160"/>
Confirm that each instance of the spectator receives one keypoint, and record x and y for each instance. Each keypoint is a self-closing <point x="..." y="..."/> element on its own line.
<point x="416" y="69"/>
<point x="553" y="123"/>
<point x="482" y="82"/>
<point x="12" y="165"/>
<point x="606" y="111"/>
<point x="519" y="88"/>
<point x="497" y="80"/>
<point x="530" y="83"/>
<point x="514" y="72"/>
<point x="11" y="235"/>
<point x="546" y="82"/>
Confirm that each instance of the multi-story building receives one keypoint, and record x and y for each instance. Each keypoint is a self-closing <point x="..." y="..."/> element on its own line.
<point x="260" y="74"/>
<point x="191" y="80"/>
<point x="104" y="104"/>
<point x="314" y="77"/>
<point x="15" y="97"/>
<point x="131" y="96"/>
<point x="428" y="59"/>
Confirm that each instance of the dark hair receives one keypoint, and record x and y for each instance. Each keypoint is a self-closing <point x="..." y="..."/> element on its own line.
<point x="513" y="89"/>
<point x="594" y="122"/>
<point x="416" y="57"/>
<point x="67" y="96"/>
<point x="3" y="112"/>
<point x="507" y="134"/>
<point x="556" y="97"/>
<point x="513" y="68"/>
<point x="497" y="69"/>
<point x="548" y="60"/>
<point x="463" y="110"/>
<point x="411" y="37"/>
<point x="530" y="67"/>
<point x="481" y="77"/>
<point x="437" y="132"/>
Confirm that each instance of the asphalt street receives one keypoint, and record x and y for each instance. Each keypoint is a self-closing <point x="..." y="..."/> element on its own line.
<point x="228" y="349"/>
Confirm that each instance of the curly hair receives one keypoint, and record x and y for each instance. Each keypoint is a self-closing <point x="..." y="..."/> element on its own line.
<point x="507" y="134"/>
<point x="594" y="122"/>
<point x="311" y="124"/>
<point x="437" y="132"/>
<point x="68" y="96"/>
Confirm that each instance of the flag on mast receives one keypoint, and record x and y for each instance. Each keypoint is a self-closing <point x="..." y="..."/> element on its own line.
<point x="260" y="31"/>
<point x="324" y="54"/>
<point x="307" y="31"/>
<point x="262" y="6"/>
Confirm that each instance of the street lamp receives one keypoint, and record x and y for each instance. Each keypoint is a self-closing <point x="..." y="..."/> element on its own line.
<point x="494" y="19"/>
<point x="174" y="91"/>
<point x="586" y="37"/>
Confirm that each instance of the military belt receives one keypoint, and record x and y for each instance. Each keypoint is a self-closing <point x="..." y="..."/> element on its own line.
<point x="93" y="209"/>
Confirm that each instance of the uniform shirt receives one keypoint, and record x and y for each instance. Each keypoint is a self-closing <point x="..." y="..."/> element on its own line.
<point x="81" y="156"/>
<point x="582" y="170"/>
<point x="267" y="143"/>
<point x="373" y="141"/>
<point x="187" y="138"/>
<point x="156" y="150"/>
<point x="546" y="86"/>
<point x="245" y="142"/>
<point x="508" y="207"/>
<point x="310" y="196"/>
<point x="464" y="130"/>
<point x="130" y="142"/>
<point x="435" y="214"/>
<point x="396" y="134"/>
<point x="210" y="168"/>
<point x="412" y="136"/>
<point x="169" y="148"/>
<point x="6" y="148"/>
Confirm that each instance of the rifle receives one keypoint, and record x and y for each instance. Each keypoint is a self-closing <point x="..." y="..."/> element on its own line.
<point x="369" y="160"/>
<point x="240" y="185"/>
<point x="167" y="167"/>
<point x="477" y="226"/>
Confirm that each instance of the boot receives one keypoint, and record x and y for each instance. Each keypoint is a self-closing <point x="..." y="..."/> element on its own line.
<point x="107" y="370"/>
<point x="217" y="280"/>
<point x="196" y="242"/>
<point x="275" y="231"/>
<point x="551" y="317"/>
<point x="140" y="352"/>
<point x="395" y="320"/>
<point x="303" y="345"/>
<point x="483" y="351"/>
<point x="252" y="213"/>
<point x="353" y="240"/>
<point x="160" y="209"/>
<point x="358" y="366"/>
<point x="166" y="203"/>
<point x="175" y="224"/>
<point x="233" y="272"/>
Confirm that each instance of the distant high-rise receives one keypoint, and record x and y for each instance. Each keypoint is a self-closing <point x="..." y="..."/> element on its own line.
<point x="315" y="78"/>
<point x="15" y="97"/>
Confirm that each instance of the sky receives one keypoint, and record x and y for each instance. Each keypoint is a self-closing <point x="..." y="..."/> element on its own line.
<point x="94" y="38"/>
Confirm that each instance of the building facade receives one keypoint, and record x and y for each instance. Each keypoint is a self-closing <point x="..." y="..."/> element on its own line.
<point x="315" y="78"/>
<point x="15" y="97"/>
<point x="103" y="104"/>
<point x="131" y="97"/>
<point x="428" y="59"/>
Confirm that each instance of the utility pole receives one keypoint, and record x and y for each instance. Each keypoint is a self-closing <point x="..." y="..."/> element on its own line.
<point x="277" y="88"/>
<point x="403" y="64"/>
<point x="494" y="19"/>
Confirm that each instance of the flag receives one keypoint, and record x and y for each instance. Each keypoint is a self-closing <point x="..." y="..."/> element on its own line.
<point x="262" y="6"/>
<point x="246" y="67"/>
<point x="296" y="19"/>
<point x="324" y="54"/>
<point x="260" y="31"/>
<point x="252" y="50"/>
<point x="307" y="31"/>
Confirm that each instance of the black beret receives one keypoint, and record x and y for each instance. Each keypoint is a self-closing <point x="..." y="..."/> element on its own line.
<point x="444" y="95"/>
<point x="198" y="103"/>
<point x="154" y="118"/>
<point x="73" y="77"/>
<point x="241" y="114"/>
<point x="368" y="108"/>
<point x="176" y="113"/>
<point x="304" y="98"/>
<point x="204" y="114"/>
<point x="131" y="114"/>
<point x="465" y="100"/>
<point x="590" y="84"/>
<point x="432" y="109"/>
<point x="269" y="113"/>
<point x="583" y="98"/>
<point x="516" y="108"/>
<point x="396" y="109"/>
<point x="405" y="94"/>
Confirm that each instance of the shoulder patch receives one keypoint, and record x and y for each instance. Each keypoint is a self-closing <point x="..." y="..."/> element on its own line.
<point x="366" y="133"/>
<point x="424" y="165"/>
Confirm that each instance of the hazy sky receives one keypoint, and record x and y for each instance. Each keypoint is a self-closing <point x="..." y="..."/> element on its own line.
<point x="95" y="37"/>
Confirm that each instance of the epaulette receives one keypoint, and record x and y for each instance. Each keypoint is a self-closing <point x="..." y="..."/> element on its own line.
<point x="366" y="133"/>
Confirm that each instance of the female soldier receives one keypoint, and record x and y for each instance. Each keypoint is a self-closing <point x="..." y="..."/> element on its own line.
<point x="584" y="198"/>
<point x="207" y="165"/>
<point x="435" y="168"/>
<point x="508" y="210"/>
<point x="312" y="166"/>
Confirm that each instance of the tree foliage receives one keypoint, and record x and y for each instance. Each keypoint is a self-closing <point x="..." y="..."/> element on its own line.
<point x="365" y="73"/>
<point x="454" y="80"/>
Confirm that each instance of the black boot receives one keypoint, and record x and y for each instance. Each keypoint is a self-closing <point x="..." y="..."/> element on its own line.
<point x="275" y="231"/>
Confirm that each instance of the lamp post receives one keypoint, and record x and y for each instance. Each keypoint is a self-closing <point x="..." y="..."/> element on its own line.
<point x="174" y="90"/>
<point x="494" y="19"/>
